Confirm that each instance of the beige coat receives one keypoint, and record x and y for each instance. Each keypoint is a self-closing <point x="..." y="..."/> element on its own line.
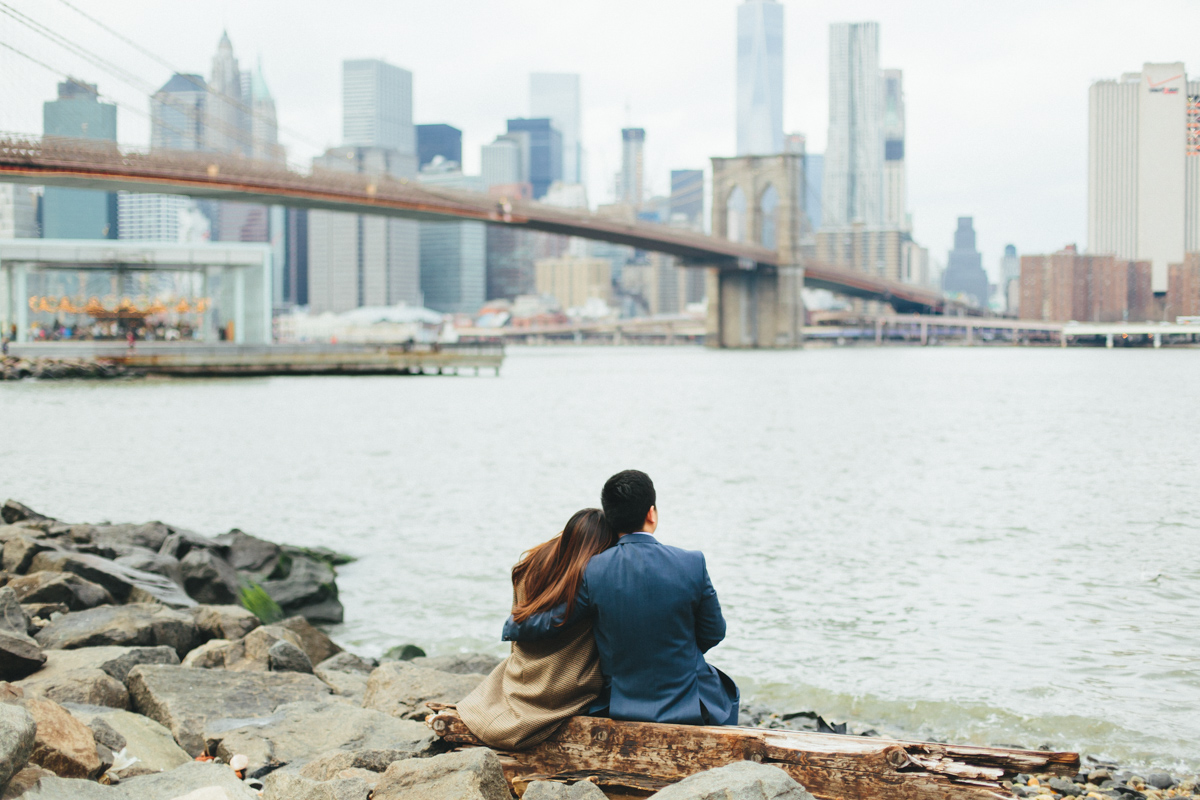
<point x="536" y="688"/>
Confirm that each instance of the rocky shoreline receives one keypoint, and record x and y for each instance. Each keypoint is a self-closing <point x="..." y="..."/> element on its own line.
<point x="148" y="662"/>
<point x="13" y="368"/>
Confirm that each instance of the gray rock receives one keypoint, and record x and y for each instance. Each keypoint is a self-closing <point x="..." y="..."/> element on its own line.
<point x="180" y="542"/>
<point x="119" y="580"/>
<point x="549" y="790"/>
<point x="20" y="656"/>
<point x="472" y="774"/>
<point x="460" y="663"/>
<point x="208" y="578"/>
<point x="329" y="611"/>
<point x="114" y="660"/>
<point x="13" y="618"/>
<point x="185" y="699"/>
<point x="1160" y="780"/>
<point x="17" y="733"/>
<point x="300" y="732"/>
<point x="135" y="624"/>
<point x="42" y="612"/>
<point x="288" y="786"/>
<point x="402" y="652"/>
<point x="146" y="536"/>
<point x="349" y="685"/>
<point x="309" y="584"/>
<point x="1065" y="786"/>
<point x="104" y="733"/>
<point x="150" y="561"/>
<point x="251" y="652"/>
<point x="401" y="689"/>
<point x="74" y="592"/>
<point x="283" y="656"/>
<point x="224" y="621"/>
<point x="348" y="662"/>
<point x="315" y="643"/>
<point x="13" y="512"/>
<point x="88" y="686"/>
<point x="26" y="780"/>
<point x="45" y="785"/>
<point x="182" y="781"/>
<point x="252" y="555"/>
<point x="145" y="740"/>
<point x="743" y="780"/>
<point x="20" y="549"/>
<point x="328" y="766"/>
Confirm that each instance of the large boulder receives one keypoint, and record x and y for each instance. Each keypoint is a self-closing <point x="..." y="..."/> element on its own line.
<point x="308" y="589"/>
<point x="251" y="652"/>
<point x="255" y="557"/>
<point x="402" y="690"/>
<point x="74" y="592"/>
<point x="19" y="550"/>
<point x="336" y="762"/>
<point x="350" y="686"/>
<point x="20" y="656"/>
<point x="459" y="663"/>
<point x="299" y="732"/>
<point x="208" y="578"/>
<point x="742" y="780"/>
<point x="89" y="686"/>
<point x="283" y="656"/>
<point x="150" y="561"/>
<point x="148" y="743"/>
<point x="13" y="618"/>
<point x="315" y="643"/>
<point x="135" y="624"/>
<point x="348" y="662"/>
<point x="12" y="512"/>
<point x="123" y="537"/>
<point x="113" y="660"/>
<point x="63" y="744"/>
<point x="289" y="786"/>
<point x="122" y="582"/>
<point x="17" y="733"/>
<point x="549" y="790"/>
<point x="472" y="774"/>
<point x="180" y="542"/>
<point x="224" y="621"/>
<point x="185" y="699"/>
<point x="188" y="782"/>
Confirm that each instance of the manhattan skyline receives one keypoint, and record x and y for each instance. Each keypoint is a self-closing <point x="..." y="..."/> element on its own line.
<point x="996" y="98"/>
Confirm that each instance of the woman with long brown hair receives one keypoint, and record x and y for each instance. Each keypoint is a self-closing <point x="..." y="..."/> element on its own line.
<point x="543" y="683"/>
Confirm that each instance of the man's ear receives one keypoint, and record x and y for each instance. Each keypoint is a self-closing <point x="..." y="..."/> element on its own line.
<point x="652" y="517"/>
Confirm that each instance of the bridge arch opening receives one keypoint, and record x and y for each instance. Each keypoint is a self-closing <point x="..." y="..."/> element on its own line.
<point x="735" y="215"/>
<point x="768" y="206"/>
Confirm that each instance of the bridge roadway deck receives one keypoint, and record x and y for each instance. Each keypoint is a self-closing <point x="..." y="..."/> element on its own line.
<point x="231" y="360"/>
<point x="103" y="165"/>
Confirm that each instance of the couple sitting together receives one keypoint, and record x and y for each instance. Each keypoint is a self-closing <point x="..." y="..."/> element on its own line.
<point x="607" y="622"/>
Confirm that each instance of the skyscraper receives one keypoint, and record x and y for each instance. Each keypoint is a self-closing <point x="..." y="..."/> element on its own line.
<point x="895" y="188"/>
<point x="545" y="152"/>
<point x="557" y="96"/>
<point x="687" y="197"/>
<point x="852" y="184"/>
<point x="225" y="114"/>
<point x="453" y="254"/>
<point x="505" y="162"/>
<point x="79" y="213"/>
<point x="362" y="260"/>
<point x="964" y="267"/>
<point x="263" y="125"/>
<point x="1144" y="168"/>
<point x="1010" y="278"/>
<point x="177" y="114"/>
<point x="377" y="106"/>
<point x="438" y="140"/>
<point x="633" y="145"/>
<point x="760" y="78"/>
<point x="18" y="212"/>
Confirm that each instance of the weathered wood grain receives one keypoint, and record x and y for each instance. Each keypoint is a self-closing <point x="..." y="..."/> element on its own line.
<point x="639" y="757"/>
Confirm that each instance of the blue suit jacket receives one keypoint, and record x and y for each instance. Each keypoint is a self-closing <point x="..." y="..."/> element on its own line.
<point x="655" y="613"/>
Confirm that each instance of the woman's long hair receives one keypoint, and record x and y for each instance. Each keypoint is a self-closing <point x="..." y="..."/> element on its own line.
<point x="552" y="570"/>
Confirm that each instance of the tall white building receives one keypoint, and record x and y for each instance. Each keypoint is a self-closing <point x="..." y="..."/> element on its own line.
<point x="225" y="116"/>
<point x="557" y="96"/>
<point x="760" y="78"/>
<point x="377" y="106"/>
<point x="633" y="167"/>
<point x="1144" y="167"/>
<point x="161" y="217"/>
<point x="895" y="178"/>
<point x="18" y="212"/>
<point x="852" y="183"/>
<point x="453" y="254"/>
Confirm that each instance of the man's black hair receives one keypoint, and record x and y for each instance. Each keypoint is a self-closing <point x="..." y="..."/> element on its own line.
<point x="627" y="498"/>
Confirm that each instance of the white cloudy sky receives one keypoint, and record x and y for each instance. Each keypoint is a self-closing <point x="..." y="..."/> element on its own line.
<point x="996" y="92"/>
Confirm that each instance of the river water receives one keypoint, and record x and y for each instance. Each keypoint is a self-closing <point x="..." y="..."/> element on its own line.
<point x="980" y="545"/>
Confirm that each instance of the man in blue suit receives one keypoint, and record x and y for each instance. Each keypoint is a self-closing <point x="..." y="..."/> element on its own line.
<point x="655" y="613"/>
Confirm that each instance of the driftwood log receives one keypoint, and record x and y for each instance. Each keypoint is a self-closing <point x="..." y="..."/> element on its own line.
<point x="635" y="759"/>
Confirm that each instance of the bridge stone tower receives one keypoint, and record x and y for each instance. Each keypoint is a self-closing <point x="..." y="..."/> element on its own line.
<point x="758" y="200"/>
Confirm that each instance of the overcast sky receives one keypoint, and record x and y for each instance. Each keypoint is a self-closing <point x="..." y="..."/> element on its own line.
<point x="996" y="93"/>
